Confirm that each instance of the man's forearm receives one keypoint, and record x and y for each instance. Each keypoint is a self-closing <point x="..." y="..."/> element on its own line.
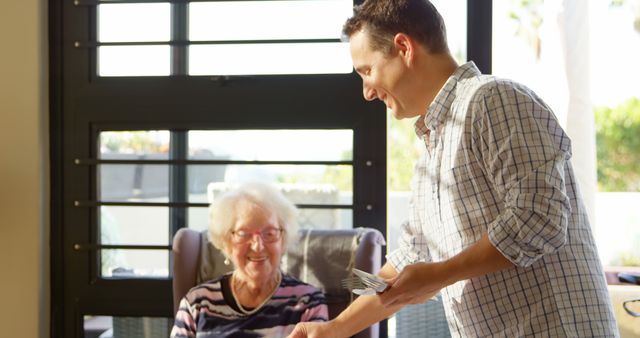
<point x="479" y="259"/>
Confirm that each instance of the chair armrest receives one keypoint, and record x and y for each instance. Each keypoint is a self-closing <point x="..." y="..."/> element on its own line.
<point x="369" y="253"/>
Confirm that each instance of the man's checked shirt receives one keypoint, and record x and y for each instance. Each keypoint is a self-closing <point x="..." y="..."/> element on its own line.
<point x="497" y="162"/>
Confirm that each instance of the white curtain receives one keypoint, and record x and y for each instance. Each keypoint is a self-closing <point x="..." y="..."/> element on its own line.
<point x="565" y="61"/>
<point x="554" y="60"/>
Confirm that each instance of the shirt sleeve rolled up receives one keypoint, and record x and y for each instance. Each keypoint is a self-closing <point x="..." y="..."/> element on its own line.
<point x="525" y="161"/>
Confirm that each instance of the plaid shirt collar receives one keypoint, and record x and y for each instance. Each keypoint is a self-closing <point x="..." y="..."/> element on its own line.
<point x="441" y="105"/>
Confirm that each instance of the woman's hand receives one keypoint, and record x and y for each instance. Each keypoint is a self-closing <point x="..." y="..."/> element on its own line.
<point x="416" y="284"/>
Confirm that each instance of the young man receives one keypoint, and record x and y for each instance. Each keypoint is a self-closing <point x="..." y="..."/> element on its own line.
<point x="497" y="222"/>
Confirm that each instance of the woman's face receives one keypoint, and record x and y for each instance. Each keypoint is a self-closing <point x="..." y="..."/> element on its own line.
<point x="256" y="243"/>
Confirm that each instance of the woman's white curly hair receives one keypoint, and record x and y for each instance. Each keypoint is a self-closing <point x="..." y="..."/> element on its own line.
<point x="222" y="212"/>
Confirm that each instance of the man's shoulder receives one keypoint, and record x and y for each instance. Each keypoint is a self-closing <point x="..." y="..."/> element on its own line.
<point x="479" y="95"/>
<point x="488" y="91"/>
<point x="484" y="85"/>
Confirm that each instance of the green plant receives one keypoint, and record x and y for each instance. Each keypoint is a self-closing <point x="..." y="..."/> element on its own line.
<point x="340" y="176"/>
<point x="618" y="146"/>
<point x="133" y="142"/>
<point x="528" y="16"/>
<point x="632" y="5"/>
<point x="403" y="152"/>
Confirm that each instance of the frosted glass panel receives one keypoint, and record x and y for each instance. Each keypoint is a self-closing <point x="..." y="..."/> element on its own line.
<point x="272" y="145"/>
<point x="134" y="182"/>
<point x="262" y="59"/>
<point x="134" y="22"/>
<point x="121" y="263"/>
<point x="307" y="218"/>
<point x="334" y="181"/>
<point x="141" y="143"/>
<point x="134" y="60"/>
<point x="134" y="225"/>
<point x="258" y="20"/>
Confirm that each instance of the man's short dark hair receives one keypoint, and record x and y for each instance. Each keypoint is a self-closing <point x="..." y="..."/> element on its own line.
<point x="383" y="19"/>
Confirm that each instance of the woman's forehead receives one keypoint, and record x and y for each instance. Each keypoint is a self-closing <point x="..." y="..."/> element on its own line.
<point x="249" y="213"/>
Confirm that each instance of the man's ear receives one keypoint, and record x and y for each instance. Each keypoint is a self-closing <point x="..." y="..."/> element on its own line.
<point x="405" y="46"/>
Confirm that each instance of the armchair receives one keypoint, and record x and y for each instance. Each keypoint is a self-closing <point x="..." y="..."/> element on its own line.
<point x="322" y="258"/>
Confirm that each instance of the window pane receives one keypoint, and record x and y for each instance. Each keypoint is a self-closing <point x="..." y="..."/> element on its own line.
<point x="134" y="225"/>
<point x="454" y="13"/>
<point x="198" y="218"/>
<point x="122" y="144"/>
<point x="325" y="219"/>
<point x="134" y="22"/>
<point x="616" y="98"/>
<point x="276" y="58"/>
<point x="199" y="176"/>
<point x="304" y="184"/>
<point x="270" y="20"/>
<point x="273" y="145"/>
<point x="307" y="218"/>
<point x="516" y="40"/>
<point x="110" y="327"/>
<point x="121" y="263"/>
<point x="135" y="181"/>
<point x="139" y="182"/>
<point x="309" y="193"/>
<point x="134" y="60"/>
<point x="613" y="83"/>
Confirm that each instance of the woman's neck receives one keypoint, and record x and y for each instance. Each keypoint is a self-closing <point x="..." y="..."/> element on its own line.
<point x="252" y="294"/>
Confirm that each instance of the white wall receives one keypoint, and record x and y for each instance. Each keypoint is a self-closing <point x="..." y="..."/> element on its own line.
<point x="23" y="170"/>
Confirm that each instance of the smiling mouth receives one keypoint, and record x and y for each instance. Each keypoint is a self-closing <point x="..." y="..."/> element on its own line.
<point x="257" y="259"/>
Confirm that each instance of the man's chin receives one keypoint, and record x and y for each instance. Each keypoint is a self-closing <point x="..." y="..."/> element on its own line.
<point x="402" y="114"/>
<point x="394" y="114"/>
<point x="397" y="115"/>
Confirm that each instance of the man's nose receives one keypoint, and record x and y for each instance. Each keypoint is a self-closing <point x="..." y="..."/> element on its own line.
<point x="368" y="92"/>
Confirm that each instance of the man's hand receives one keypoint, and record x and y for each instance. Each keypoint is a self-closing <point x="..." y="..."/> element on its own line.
<point x="421" y="281"/>
<point x="414" y="285"/>
<point x="310" y="330"/>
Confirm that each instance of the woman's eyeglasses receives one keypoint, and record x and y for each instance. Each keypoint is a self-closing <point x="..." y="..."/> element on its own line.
<point x="268" y="235"/>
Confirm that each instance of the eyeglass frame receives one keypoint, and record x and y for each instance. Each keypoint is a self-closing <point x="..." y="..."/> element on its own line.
<point x="250" y="235"/>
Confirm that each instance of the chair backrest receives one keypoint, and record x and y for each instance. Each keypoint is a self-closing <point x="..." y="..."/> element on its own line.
<point x="322" y="258"/>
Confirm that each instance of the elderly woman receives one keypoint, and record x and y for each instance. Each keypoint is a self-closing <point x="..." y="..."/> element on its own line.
<point x="252" y="227"/>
